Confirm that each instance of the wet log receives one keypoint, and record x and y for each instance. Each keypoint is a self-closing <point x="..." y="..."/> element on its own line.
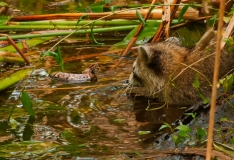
<point x="190" y="14"/>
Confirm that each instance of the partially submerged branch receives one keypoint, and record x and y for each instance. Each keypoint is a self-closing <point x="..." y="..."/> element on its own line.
<point x="191" y="14"/>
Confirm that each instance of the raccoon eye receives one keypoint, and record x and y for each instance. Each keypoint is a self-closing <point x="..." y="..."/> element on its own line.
<point x="136" y="77"/>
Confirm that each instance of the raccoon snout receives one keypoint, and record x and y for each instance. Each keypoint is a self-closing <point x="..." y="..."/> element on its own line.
<point x="133" y="81"/>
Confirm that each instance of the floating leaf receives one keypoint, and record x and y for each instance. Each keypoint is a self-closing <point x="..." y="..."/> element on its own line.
<point x="119" y="120"/>
<point x="27" y="103"/>
<point x="10" y="80"/>
<point x="144" y="132"/>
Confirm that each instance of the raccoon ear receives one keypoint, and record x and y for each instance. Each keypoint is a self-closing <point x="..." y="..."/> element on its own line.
<point x="144" y="53"/>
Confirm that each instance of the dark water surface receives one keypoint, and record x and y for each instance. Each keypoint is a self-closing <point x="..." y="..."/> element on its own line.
<point x="97" y="120"/>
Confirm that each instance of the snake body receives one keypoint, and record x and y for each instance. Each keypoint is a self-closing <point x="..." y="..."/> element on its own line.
<point x="87" y="75"/>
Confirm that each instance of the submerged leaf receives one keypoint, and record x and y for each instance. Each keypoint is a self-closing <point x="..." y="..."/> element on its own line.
<point x="144" y="132"/>
<point x="27" y="103"/>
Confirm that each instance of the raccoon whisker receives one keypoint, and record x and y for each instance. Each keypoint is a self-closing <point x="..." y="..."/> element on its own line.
<point x="136" y="93"/>
<point x="118" y="93"/>
<point x="127" y="87"/>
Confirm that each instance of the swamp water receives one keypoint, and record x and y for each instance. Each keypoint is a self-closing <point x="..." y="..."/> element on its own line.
<point x="94" y="120"/>
<point x="83" y="120"/>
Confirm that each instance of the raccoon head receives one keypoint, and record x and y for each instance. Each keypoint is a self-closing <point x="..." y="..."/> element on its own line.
<point x="154" y="65"/>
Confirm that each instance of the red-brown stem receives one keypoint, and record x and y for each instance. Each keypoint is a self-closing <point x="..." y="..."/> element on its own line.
<point x="134" y="38"/>
<point x="215" y="80"/>
<point x="160" y="32"/>
<point x="17" y="48"/>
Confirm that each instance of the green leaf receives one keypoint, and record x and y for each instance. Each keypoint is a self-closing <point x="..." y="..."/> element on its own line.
<point x="30" y="42"/>
<point x="182" y="12"/>
<point x="223" y="119"/>
<point x="3" y="4"/>
<point x="232" y="140"/>
<point x="146" y="34"/>
<point x="232" y="10"/>
<point x="137" y="153"/>
<point x="176" y="139"/>
<point x="182" y="134"/>
<point x="27" y="103"/>
<point x="9" y="80"/>
<point x="4" y="19"/>
<point x="191" y="114"/>
<point x="92" y="35"/>
<point x="141" y="19"/>
<point x="196" y="83"/>
<point x="81" y="18"/>
<point x="200" y="133"/>
<point x="57" y="56"/>
<point x="144" y="132"/>
<point x="119" y="120"/>
<point x="227" y="82"/>
<point x="166" y="125"/>
<point x="96" y="8"/>
<point x="184" y="128"/>
<point x="13" y="123"/>
<point x="107" y="1"/>
<point x="212" y="20"/>
<point x="113" y="8"/>
<point x="224" y="148"/>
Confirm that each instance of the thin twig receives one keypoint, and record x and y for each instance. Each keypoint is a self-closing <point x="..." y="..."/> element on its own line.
<point x="160" y="32"/>
<point x="17" y="48"/>
<point x="134" y="38"/>
<point x="215" y="81"/>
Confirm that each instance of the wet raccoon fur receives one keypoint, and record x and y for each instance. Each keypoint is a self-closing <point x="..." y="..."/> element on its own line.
<point x="160" y="68"/>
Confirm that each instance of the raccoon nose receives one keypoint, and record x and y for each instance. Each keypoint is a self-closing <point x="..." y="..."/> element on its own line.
<point x="126" y="81"/>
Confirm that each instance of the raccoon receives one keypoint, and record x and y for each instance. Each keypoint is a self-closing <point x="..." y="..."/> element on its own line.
<point x="170" y="70"/>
